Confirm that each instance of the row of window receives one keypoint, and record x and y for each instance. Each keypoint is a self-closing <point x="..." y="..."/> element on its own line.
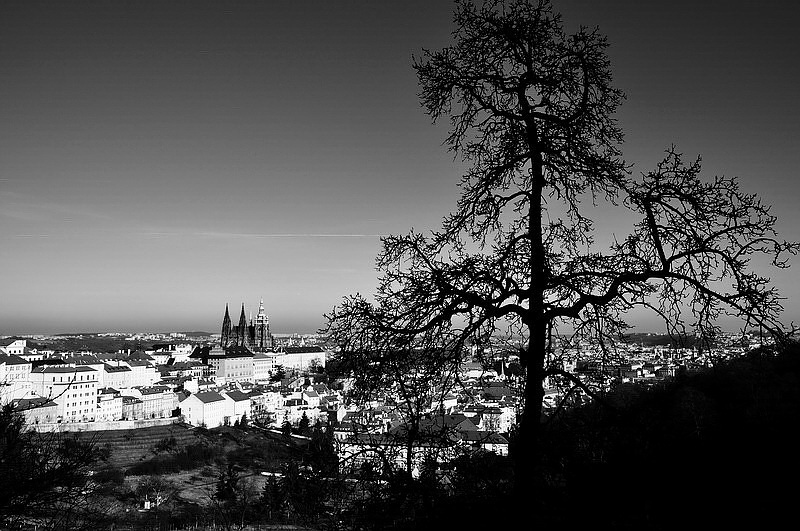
<point x="73" y="378"/>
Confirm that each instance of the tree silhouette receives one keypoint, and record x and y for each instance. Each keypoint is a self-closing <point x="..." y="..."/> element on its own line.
<point x="227" y="483"/>
<point x="234" y="497"/>
<point x="531" y="113"/>
<point x="45" y="478"/>
<point x="321" y="451"/>
<point x="278" y="374"/>
<point x="304" y="425"/>
<point x="286" y="428"/>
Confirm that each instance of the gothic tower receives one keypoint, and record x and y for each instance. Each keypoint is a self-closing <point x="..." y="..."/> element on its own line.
<point x="241" y="330"/>
<point x="226" y="329"/>
<point x="263" y="339"/>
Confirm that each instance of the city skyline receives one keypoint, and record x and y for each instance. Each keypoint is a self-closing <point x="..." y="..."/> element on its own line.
<point x="163" y="159"/>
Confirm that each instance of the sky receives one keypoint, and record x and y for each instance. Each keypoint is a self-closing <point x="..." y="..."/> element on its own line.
<point x="161" y="159"/>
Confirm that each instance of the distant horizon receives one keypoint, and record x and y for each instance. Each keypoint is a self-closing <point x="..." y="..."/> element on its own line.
<point x="634" y="330"/>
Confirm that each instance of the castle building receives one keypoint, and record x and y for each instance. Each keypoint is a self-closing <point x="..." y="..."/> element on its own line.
<point x="255" y="335"/>
<point x="233" y="359"/>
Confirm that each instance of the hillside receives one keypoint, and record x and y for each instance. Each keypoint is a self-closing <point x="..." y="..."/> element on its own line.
<point x="129" y="447"/>
<point x="165" y="449"/>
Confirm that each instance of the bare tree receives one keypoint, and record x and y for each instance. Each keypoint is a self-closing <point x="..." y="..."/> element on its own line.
<point x="531" y="112"/>
<point x="45" y="478"/>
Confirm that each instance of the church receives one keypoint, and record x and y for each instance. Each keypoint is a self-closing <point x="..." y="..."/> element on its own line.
<point x="240" y="347"/>
<point x="255" y="336"/>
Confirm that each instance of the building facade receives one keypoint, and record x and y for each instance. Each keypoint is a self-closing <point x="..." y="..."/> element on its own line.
<point x="72" y="387"/>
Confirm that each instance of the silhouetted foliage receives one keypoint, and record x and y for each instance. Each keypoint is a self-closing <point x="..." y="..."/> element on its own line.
<point x="45" y="478"/>
<point x="235" y="500"/>
<point x="272" y="499"/>
<point x="278" y="374"/>
<point x="321" y="452"/>
<point x="531" y="110"/>
<point x="714" y="449"/>
<point x="167" y="444"/>
<point x="227" y="484"/>
<point x="304" y="426"/>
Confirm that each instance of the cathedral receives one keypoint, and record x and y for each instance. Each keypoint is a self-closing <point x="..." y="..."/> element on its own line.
<point x="255" y="335"/>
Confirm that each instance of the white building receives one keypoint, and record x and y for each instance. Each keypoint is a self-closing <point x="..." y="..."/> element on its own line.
<point x="109" y="405"/>
<point x="177" y="353"/>
<point x="240" y="402"/>
<point x="72" y="387"/>
<point x="311" y="397"/>
<point x="263" y="364"/>
<point x="116" y="376"/>
<point x="232" y="364"/>
<point x="14" y="377"/>
<point x="301" y="358"/>
<point x="37" y="410"/>
<point x="158" y="401"/>
<point x="143" y="373"/>
<point x="13" y="346"/>
<point x="207" y="408"/>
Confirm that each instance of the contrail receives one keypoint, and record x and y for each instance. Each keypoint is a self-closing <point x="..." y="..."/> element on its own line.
<point x="243" y="235"/>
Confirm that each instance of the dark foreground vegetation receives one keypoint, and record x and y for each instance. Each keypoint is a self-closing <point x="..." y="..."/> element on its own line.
<point x="711" y="449"/>
<point x="704" y="451"/>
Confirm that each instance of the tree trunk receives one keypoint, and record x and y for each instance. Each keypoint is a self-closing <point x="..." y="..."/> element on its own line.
<point x="529" y="481"/>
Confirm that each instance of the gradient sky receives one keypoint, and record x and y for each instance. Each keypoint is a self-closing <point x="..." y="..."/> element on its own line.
<point x="159" y="159"/>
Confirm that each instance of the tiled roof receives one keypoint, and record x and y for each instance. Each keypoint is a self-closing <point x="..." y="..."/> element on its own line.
<point x="237" y="396"/>
<point x="200" y="352"/>
<point x="139" y="355"/>
<point x="156" y="389"/>
<point x="302" y="350"/>
<point x="8" y="341"/>
<point x="32" y="403"/>
<point x="82" y="359"/>
<point x="238" y="352"/>
<point x="13" y="359"/>
<point x="62" y="370"/>
<point x="485" y="437"/>
<point x="116" y="368"/>
<point x="205" y="352"/>
<point x="207" y="397"/>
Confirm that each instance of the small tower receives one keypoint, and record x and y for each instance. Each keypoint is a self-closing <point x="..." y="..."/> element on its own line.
<point x="226" y="329"/>
<point x="262" y="336"/>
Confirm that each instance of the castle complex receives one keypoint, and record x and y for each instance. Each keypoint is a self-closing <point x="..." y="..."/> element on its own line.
<point x="255" y="335"/>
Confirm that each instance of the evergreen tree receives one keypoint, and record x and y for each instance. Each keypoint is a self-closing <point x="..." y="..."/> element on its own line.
<point x="303" y="427"/>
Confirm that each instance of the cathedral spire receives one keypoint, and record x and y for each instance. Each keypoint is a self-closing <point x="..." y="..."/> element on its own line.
<point x="242" y="329"/>
<point x="226" y="329"/>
